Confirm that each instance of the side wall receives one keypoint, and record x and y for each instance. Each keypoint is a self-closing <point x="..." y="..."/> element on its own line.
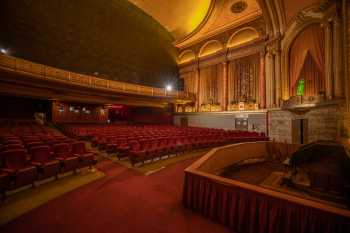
<point x="322" y="124"/>
<point x="256" y="120"/>
<point x="25" y="108"/>
<point x="149" y="115"/>
<point x="75" y="113"/>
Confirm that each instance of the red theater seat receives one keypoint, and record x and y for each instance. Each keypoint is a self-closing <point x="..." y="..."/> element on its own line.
<point x="41" y="158"/>
<point x="137" y="153"/>
<point x="69" y="162"/>
<point x="35" y="144"/>
<point x="4" y="183"/>
<point x="155" y="141"/>
<point x="16" y="165"/>
<point x="86" y="158"/>
<point x="12" y="141"/>
<point x="11" y="147"/>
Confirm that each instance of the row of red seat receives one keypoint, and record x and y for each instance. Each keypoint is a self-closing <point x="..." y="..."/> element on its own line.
<point x="141" y="143"/>
<point x="36" y="153"/>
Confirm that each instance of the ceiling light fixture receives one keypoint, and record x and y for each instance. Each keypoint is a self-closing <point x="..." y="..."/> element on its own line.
<point x="169" y="87"/>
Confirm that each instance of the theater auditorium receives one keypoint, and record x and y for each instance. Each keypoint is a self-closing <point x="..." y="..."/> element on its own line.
<point x="175" y="116"/>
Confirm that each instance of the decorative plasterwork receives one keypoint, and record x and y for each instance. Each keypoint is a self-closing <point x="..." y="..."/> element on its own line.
<point x="222" y="19"/>
<point x="210" y="47"/>
<point x="186" y="56"/>
<point x="227" y="54"/>
<point x="305" y="18"/>
<point x="240" y="36"/>
<point x="239" y="6"/>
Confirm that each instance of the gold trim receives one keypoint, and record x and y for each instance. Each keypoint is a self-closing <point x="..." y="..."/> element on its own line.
<point x="254" y="16"/>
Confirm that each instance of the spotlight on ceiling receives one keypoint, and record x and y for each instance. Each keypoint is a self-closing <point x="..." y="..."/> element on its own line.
<point x="168" y="87"/>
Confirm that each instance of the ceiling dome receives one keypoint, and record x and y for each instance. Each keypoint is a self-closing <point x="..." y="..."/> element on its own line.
<point x="180" y="17"/>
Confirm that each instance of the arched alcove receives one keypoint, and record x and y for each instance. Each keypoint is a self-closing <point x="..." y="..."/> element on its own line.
<point x="210" y="47"/>
<point x="292" y="34"/>
<point x="242" y="36"/>
<point x="306" y="61"/>
<point x="186" y="56"/>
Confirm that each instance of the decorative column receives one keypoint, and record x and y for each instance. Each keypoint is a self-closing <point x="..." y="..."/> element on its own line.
<point x="54" y="111"/>
<point x="224" y="83"/>
<point x="346" y="50"/>
<point x="262" y="81"/>
<point x="277" y="76"/>
<point x="337" y="59"/>
<point x="328" y="61"/>
<point x="197" y="89"/>
<point x="270" y="76"/>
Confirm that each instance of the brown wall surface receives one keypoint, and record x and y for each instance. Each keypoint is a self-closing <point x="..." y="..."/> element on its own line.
<point x="111" y="37"/>
<point x="61" y="113"/>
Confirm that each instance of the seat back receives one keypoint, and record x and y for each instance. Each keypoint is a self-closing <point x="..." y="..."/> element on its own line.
<point x="11" y="147"/>
<point x="78" y="148"/>
<point x="61" y="150"/>
<point x="12" y="141"/>
<point x="14" y="159"/>
<point x="35" y="144"/>
<point x="40" y="154"/>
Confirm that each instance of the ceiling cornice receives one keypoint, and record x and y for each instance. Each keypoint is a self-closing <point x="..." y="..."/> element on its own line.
<point x="236" y="24"/>
<point x="220" y="19"/>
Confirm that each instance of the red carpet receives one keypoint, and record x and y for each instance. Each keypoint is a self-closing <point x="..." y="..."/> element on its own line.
<point x="123" y="201"/>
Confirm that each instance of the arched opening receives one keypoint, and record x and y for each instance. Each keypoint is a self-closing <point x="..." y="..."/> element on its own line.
<point x="307" y="62"/>
<point x="210" y="47"/>
<point x="242" y="36"/>
<point x="186" y="56"/>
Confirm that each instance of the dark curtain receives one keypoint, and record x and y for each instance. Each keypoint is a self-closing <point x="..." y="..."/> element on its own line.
<point x="251" y="212"/>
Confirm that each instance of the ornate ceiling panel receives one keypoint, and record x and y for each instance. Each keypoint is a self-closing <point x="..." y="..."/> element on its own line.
<point x="225" y="14"/>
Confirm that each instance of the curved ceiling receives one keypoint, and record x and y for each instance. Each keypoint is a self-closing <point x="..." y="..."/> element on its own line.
<point x="221" y="18"/>
<point x="192" y="20"/>
<point x="179" y="17"/>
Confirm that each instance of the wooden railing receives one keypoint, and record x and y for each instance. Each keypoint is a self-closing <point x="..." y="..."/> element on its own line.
<point x="53" y="74"/>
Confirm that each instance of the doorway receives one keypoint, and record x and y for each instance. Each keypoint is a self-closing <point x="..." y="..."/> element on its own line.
<point x="300" y="131"/>
<point x="184" y="121"/>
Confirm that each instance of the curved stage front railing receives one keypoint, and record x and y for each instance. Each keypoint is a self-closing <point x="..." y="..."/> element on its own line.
<point x="248" y="208"/>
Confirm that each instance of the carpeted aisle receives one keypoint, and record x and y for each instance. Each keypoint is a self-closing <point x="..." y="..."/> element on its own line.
<point x="123" y="201"/>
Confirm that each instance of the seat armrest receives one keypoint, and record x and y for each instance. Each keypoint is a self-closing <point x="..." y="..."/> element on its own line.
<point x="7" y="170"/>
<point x="36" y="164"/>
